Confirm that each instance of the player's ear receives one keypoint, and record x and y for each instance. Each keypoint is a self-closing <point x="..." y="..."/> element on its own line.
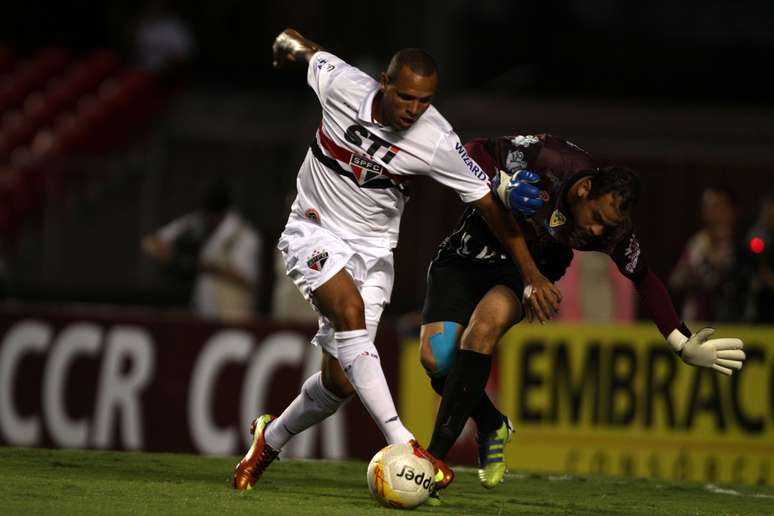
<point x="384" y="80"/>
<point x="584" y="187"/>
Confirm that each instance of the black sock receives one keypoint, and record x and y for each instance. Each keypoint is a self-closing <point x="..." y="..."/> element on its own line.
<point x="462" y="392"/>
<point x="485" y="414"/>
<point x="438" y="384"/>
<point x="487" y="417"/>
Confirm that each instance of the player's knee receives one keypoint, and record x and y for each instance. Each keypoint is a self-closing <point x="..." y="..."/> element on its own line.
<point x="438" y="349"/>
<point x="482" y="335"/>
<point x="350" y="314"/>
<point x="426" y="357"/>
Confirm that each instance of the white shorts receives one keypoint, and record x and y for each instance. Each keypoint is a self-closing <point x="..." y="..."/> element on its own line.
<point x="314" y="254"/>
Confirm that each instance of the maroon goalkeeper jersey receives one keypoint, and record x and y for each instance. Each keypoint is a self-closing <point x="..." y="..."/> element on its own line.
<point x="551" y="233"/>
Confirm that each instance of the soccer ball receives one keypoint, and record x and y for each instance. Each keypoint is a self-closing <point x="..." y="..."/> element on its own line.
<point x="398" y="478"/>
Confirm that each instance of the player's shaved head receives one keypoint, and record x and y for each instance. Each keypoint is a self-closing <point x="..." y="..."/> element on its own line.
<point x="406" y="89"/>
<point x="418" y="61"/>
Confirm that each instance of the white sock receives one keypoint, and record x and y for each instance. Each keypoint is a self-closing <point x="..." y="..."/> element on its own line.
<point x="311" y="406"/>
<point x="360" y="361"/>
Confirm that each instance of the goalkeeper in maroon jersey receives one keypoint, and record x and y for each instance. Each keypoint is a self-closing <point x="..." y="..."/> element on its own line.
<point x="563" y="202"/>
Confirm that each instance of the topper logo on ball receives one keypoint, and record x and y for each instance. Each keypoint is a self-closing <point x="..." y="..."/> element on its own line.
<point x="421" y="480"/>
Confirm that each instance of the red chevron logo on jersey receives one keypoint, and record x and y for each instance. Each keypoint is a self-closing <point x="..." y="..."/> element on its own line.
<point x="363" y="171"/>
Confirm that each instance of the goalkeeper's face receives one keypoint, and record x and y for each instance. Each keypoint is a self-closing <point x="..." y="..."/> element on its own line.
<point x="596" y="217"/>
<point x="406" y="98"/>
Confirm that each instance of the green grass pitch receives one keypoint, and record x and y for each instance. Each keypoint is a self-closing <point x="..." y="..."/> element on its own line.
<point x="34" y="481"/>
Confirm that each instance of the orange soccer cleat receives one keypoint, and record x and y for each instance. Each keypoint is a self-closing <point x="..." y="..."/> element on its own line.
<point x="443" y="473"/>
<point x="257" y="458"/>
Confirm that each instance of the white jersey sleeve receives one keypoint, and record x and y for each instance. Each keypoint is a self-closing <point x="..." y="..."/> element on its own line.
<point x="451" y="166"/>
<point x="324" y="68"/>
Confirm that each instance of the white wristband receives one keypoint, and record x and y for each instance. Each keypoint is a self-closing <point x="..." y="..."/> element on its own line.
<point x="528" y="290"/>
<point x="677" y="340"/>
<point x="290" y="44"/>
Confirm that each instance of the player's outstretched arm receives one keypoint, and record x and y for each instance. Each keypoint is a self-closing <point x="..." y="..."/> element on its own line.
<point x="291" y="46"/>
<point x="723" y="355"/>
<point x="697" y="349"/>
<point x="541" y="297"/>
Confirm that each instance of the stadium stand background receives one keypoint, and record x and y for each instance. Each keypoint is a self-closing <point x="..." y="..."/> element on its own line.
<point x="677" y="92"/>
<point x="94" y="153"/>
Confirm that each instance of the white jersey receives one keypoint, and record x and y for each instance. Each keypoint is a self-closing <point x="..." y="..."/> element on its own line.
<point x="352" y="181"/>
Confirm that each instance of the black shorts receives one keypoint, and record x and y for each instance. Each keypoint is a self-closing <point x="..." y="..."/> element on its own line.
<point x="455" y="286"/>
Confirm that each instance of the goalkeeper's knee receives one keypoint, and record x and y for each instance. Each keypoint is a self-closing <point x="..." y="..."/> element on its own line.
<point x="439" y="349"/>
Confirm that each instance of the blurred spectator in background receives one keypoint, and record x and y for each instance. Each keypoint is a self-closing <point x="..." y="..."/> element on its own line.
<point x="706" y="272"/>
<point x="163" y="43"/>
<point x="759" y="256"/>
<point x="594" y="291"/>
<point x="287" y="303"/>
<point x="218" y="248"/>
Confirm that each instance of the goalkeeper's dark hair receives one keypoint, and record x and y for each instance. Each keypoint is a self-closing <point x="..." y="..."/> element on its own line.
<point x="419" y="61"/>
<point x="621" y="181"/>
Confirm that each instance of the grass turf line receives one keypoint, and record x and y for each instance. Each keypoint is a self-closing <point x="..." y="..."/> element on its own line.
<point x="40" y="481"/>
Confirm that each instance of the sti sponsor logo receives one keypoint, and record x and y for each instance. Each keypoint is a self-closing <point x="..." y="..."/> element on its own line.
<point x="472" y="166"/>
<point x="371" y="144"/>
<point x="408" y="473"/>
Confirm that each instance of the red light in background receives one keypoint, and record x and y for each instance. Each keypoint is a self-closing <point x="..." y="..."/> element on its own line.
<point x="757" y="245"/>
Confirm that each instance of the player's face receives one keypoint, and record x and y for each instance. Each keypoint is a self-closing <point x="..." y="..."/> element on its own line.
<point x="406" y="98"/>
<point x="595" y="217"/>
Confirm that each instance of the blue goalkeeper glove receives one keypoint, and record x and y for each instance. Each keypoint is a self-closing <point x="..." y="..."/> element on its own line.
<point x="518" y="192"/>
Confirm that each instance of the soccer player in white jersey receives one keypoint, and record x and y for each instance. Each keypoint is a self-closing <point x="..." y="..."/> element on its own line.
<point x="343" y="225"/>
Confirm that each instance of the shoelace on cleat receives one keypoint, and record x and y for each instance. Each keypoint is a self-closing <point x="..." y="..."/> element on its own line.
<point x="267" y="457"/>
